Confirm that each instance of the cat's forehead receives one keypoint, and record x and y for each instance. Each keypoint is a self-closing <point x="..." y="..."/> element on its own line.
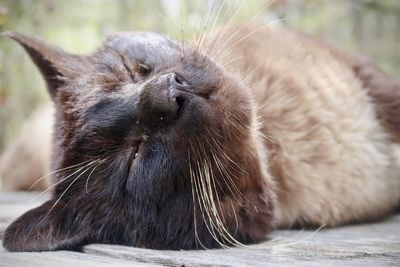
<point x="151" y="47"/>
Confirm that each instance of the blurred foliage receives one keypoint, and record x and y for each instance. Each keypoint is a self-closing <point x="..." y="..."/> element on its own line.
<point x="368" y="26"/>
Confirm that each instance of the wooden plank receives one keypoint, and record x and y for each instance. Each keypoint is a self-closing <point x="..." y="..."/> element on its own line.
<point x="286" y="252"/>
<point x="62" y="259"/>
<point x="376" y="244"/>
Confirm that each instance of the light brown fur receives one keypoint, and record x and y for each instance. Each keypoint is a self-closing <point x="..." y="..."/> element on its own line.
<point x="331" y="158"/>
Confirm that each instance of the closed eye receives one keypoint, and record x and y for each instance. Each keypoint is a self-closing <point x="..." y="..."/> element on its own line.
<point x="126" y="66"/>
<point x="142" y="69"/>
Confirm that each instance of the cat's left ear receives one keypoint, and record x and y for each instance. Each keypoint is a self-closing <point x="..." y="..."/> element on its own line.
<point x="56" y="66"/>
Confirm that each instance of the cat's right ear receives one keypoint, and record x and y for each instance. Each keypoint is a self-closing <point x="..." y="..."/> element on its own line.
<point x="56" y="66"/>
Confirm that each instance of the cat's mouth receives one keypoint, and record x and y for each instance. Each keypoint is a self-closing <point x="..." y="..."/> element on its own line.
<point x="135" y="148"/>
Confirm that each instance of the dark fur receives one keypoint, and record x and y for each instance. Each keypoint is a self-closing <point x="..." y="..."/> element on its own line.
<point x="149" y="110"/>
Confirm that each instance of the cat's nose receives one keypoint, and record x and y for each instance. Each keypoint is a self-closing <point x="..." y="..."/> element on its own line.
<point x="177" y="81"/>
<point x="161" y="99"/>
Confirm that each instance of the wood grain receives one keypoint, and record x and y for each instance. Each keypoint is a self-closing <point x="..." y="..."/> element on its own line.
<point x="375" y="244"/>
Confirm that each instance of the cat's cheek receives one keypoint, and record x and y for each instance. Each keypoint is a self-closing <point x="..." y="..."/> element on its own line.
<point x="199" y="115"/>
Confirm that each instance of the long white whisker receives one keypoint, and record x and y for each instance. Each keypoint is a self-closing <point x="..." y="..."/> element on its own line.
<point x="94" y="168"/>
<point x="249" y="34"/>
<point x="61" y="180"/>
<point x="56" y="171"/>
<point x="216" y="34"/>
<point x="55" y="203"/>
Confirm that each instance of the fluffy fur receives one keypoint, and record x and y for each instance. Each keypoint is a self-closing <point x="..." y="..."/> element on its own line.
<point x="266" y="128"/>
<point x="332" y="159"/>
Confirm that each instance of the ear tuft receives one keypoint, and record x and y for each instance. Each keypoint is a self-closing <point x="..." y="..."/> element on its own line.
<point x="56" y="66"/>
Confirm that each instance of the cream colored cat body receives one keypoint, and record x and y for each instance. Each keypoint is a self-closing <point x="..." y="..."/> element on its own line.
<point x="331" y="159"/>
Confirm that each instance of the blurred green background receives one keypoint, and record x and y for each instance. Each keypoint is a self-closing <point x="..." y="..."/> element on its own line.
<point x="368" y="26"/>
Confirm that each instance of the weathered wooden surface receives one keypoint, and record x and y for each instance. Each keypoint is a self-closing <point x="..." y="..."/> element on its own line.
<point x="376" y="244"/>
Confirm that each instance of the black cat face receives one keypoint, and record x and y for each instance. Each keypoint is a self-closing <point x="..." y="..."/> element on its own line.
<point x="155" y="146"/>
<point x="142" y="102"/>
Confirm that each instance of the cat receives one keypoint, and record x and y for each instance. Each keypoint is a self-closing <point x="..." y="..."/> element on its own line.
<point x="166" y="144"/>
